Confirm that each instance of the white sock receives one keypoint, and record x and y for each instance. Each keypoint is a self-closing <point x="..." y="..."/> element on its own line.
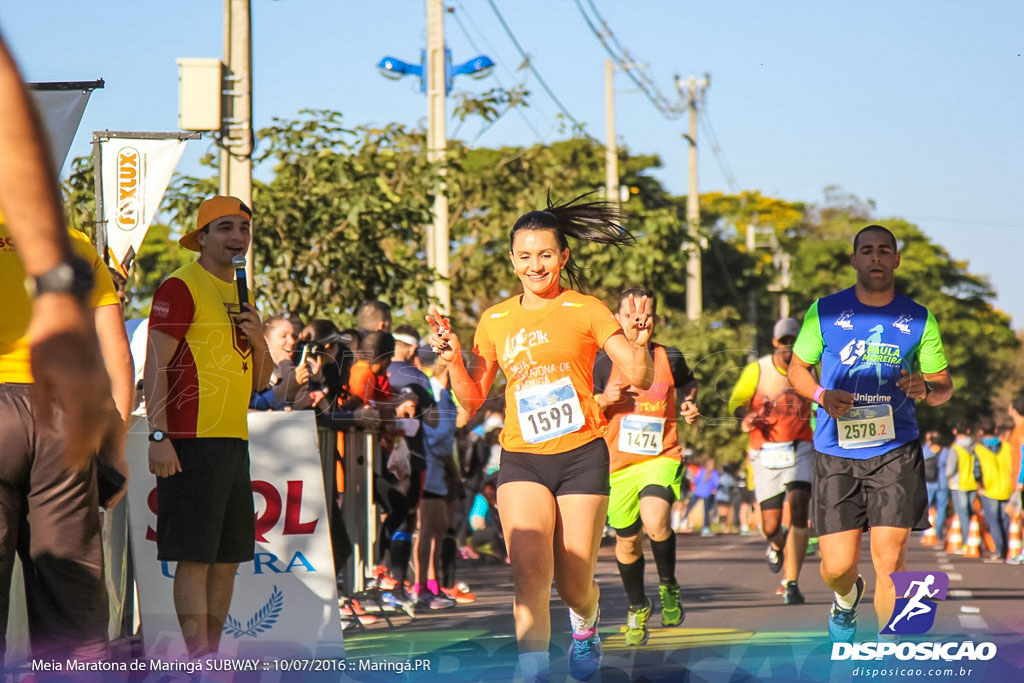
<point x="532" y="664"/>
<point x="846" y="601"/>
<point x="579" y="624"/>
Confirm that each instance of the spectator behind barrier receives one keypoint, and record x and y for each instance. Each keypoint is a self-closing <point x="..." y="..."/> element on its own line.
<point x="277" y="331"/>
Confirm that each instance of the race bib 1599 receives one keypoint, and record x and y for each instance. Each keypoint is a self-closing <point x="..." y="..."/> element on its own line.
<point x="548" y="411"/>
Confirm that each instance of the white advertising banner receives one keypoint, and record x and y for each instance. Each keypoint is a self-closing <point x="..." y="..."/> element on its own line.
<point x="285" y="601"/>
<point x="135" y="176"/>
<point x="61" y="112"/>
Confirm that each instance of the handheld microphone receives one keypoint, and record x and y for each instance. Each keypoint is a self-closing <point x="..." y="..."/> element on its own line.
<point x="238" y="261"/>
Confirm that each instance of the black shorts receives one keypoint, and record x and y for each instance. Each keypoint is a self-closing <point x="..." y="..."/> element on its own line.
<point x="581" y="470"/>
<point x="886" y="490"/>
<point x="205" y="513"/>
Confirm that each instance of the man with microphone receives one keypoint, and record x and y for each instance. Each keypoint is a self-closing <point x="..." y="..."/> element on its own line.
<point x="206" y="356"/>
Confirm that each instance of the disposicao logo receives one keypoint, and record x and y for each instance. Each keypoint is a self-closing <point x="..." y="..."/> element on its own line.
<point x="914" y="613"/>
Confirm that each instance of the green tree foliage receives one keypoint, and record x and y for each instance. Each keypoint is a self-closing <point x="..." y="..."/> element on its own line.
<point x="491" y="188"/>
<point x="343" y="215"/>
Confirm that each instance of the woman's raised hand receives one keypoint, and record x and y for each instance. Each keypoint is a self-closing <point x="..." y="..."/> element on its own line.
<point x="443" y="341"/>
<point x="640" y="321"/>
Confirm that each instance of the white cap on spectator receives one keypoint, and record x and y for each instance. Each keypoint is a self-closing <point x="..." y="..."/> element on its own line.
<point x="787" y="327"/>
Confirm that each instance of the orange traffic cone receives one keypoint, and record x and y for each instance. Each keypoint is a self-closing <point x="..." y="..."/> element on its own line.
<point x="974" y="539"/>
<point x="955" y="539"/>
<point x="930" y="537"/>
<point x="1015" y="538"/>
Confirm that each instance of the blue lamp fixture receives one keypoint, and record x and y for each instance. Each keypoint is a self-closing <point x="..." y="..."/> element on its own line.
<point x="479" y="67"/>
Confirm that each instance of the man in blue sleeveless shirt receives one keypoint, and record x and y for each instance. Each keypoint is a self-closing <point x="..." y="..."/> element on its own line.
<point x="880" y="352"/>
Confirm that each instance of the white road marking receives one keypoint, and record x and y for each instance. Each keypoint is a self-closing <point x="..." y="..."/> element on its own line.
<point x="946" y="567"/>
<point x="953" y="576"/>
<point x="972" y="622"/>
<point x="960" y="594"/>
<point x="970" y="609"/>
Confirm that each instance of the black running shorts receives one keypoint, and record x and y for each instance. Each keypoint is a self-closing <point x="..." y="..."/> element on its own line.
<point x="581" y="470"/>
<point x="205" y="513"/>
<point x="887" y="490"/>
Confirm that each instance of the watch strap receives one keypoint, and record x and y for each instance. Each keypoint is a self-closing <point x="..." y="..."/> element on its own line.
<point x="73" y="276"/>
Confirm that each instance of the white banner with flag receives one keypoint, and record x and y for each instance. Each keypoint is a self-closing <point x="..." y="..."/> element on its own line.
<point x="285" y="601"/>
<point x="136" y="173"/>
<point x="61" y="111"/>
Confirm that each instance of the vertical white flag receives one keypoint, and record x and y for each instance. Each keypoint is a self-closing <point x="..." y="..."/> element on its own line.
<point x="135" y="175"/>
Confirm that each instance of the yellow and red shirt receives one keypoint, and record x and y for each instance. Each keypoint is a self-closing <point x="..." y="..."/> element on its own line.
<point x="17" y="310"/>
<point x="209" y="379"/>
<point x="545" y="353"/>
<point x="787" y="413"/>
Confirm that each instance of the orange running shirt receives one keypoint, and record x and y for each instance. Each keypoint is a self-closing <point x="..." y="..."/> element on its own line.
<point x="209" y="380"/>
<point x="649" y="415"/>
<point x="547" y="356"/>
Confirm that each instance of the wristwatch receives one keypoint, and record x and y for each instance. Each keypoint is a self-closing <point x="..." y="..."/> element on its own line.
<point x="157" y="435"/>
<point x="928" y="388"/>
<point x="73" y="276"/>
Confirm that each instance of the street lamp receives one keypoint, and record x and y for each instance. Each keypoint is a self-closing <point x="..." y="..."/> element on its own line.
<point x="393" y="68"/>
<point x="436" y="72"/>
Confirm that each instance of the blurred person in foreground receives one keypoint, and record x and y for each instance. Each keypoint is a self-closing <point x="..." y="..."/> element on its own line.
<point x="64" y="352"/>
<point x="57" y="408"/>
<point x="207" y="354"/>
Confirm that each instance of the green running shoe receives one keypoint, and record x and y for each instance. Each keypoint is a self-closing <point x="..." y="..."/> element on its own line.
<point x="636" y="623"/>
<point x="672" y="612"/>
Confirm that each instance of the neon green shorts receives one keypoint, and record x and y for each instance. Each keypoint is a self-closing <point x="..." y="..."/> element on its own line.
<point x="629" y="483"/>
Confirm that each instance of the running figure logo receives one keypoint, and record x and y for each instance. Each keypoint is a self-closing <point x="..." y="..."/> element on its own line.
<point x="914" y="613"/>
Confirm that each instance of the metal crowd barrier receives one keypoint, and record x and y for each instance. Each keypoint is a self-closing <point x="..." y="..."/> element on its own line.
<point x="358" y="514"/>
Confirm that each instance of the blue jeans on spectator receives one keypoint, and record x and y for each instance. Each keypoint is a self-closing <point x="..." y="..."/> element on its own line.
<point x="940" y="499"/>
<point x="995" y="517"/>
<point x="963" y="502"/>
<point x="709" y="501"/>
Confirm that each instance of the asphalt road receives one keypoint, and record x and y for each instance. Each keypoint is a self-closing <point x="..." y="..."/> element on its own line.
<point x="736" y="627"/>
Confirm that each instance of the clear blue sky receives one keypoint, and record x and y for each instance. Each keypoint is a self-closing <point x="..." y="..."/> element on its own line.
<point x="915" y="104"/>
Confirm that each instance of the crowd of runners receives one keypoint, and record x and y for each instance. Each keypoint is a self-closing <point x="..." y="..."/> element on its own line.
<point x="587" y="439"/>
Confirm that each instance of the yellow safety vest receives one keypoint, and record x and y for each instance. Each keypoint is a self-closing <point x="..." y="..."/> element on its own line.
<point x="965" y="471"/>
<point x="995" y="471"/>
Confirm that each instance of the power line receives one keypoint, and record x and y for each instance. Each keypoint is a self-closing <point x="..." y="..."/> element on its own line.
<point x="476" y="49"/>
<point x="540" y="79"/>
<point x="716" y="149"/>
<point x="636" y="71"/>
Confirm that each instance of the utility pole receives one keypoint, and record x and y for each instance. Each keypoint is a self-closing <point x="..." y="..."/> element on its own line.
<point x="236" y="122"/>
<point x="437" y="237"/>
<point x="694" y="288"/>
<point x="752" y="296"/>
<point x="611" y="152"/>
<point x="782" y="263"/>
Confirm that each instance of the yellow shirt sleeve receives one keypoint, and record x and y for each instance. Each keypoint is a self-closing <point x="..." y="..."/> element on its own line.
<point x="103" y="291"/>
<point x="745" y="388"/>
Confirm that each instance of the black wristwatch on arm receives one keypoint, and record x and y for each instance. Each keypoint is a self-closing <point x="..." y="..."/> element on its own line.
<point x="73" y="276"/>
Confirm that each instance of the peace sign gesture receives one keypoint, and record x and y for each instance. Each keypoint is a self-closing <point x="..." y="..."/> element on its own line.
<point x="443" y="341"/>
<point x="638" y="324"/>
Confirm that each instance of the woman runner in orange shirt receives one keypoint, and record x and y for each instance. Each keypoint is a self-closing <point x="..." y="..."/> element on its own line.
<point x="553" y="481"/>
